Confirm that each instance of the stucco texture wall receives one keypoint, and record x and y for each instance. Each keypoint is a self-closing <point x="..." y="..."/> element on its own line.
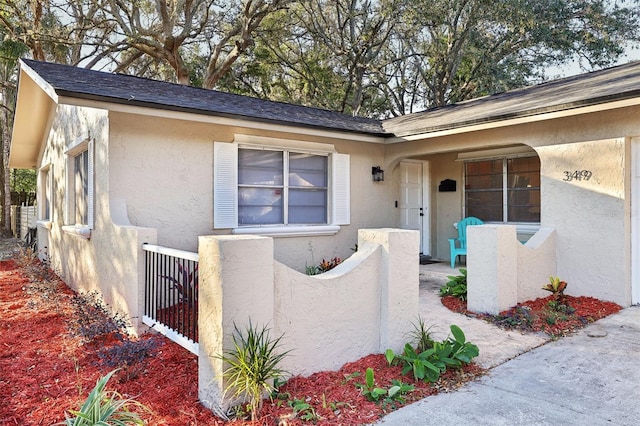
<point x="164" y="169"/>
<point x="107" y="261"/>
<point x="584" y="197"/>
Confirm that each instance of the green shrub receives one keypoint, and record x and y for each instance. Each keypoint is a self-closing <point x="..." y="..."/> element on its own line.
<point x="456" y="286"/>
<point x="253" y="366"/>
<point x="429" y="364"/>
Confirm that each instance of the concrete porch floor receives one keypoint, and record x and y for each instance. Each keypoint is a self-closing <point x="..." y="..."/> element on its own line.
<point x="496" y="345"/>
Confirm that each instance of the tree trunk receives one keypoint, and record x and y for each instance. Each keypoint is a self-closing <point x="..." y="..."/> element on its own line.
<point x="5" y="191"/>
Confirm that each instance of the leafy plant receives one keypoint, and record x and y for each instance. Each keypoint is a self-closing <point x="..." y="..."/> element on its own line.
<point x="303" y="410"/>
<point x="104" y="407"/>
<point x="186" y="283"/>
<point x="395" y="393"/>
<point x="462" y="350"/>
<point x="419" y="364"/>
<point x="324" y="266"/>
<point x="556" y="287"/>
<point x="519" y="317"/>
<point x="456" y="286"/>
<point x="349" y="377"/>
<point x="327" y="265"/>
<point x="560" y="307"/>
<point x="253" y="365"/>
<point x="369" y="389"/>
<point x="429" y="364"/>
<point x="398" y="389"/>
<point x="389" y="356"/>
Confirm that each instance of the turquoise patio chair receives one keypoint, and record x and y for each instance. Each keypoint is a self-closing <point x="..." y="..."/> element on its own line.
<point x="459" y="245"/>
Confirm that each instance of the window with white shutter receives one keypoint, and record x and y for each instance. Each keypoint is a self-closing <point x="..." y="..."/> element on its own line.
<point x="272" y="190"/>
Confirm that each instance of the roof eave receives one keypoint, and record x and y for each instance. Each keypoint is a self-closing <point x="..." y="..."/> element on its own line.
<point x="36" y="100"/>
<point x="67" y="96"/>
<point x="538" y="114"/>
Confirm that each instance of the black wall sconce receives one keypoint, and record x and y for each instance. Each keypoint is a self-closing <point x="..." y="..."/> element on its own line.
<point x="378" y="174"/>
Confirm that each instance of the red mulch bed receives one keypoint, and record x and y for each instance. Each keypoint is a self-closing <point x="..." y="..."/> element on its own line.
<point x="537" y="316"/>
<point x="46" y="368"/>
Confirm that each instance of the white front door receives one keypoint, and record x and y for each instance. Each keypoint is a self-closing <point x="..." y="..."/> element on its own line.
<point x="414" y="200"/>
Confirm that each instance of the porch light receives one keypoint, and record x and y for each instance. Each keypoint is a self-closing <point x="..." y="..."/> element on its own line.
<point x="378" y="174"/>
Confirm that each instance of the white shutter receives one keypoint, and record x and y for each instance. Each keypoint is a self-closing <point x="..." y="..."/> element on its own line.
<point x="225" y="185"/>
<point x="90" y="183"/>
<point x="340" y="188"/>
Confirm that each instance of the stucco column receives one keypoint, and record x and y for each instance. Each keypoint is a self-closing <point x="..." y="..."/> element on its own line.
<point x="235" y="284"/>
<point x="399" y="282"/>
<point x="492" y="268"/>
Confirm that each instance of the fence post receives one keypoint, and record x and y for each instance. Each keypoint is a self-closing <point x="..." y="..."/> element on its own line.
<point x="399" y="282"/>
<point x="492" y="266"/>
<point x="236" y="284"/>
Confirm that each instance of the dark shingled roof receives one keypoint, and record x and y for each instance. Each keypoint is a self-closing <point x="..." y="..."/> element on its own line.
<point x="598" y="87"/>
<point x="124" y="89"/>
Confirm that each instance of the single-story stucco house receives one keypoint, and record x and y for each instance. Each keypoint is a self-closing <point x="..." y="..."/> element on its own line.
<point x="124" y="161"/>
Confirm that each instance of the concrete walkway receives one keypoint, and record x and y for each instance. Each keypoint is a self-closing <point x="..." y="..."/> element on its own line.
<point x="496" y="345"/>
<point x="590" y="378"/>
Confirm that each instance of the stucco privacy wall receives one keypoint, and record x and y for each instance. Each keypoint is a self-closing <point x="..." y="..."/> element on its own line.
<point x="363" y="306"/>
<point x="111" y="260"/>
<point x="502" y="271"/>
<point x="591" y="215"/>
<point x="164" y="169"/>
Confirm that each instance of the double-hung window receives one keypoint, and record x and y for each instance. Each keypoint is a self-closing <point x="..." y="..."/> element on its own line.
<point x="282" y="187"/>
<point x="79" y="194"/>
<point x="280" y="190"/>
<point x="503" y="190"/>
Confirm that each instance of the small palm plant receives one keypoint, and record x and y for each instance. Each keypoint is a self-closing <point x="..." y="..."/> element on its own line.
<point x="104" y="407"/>
<point x="421" y="335"/>
<point x="253" y="366"/>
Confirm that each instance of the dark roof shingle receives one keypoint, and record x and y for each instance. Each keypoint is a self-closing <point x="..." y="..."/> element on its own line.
<point x="125" y="89"/>
<point x="598" y="87"/>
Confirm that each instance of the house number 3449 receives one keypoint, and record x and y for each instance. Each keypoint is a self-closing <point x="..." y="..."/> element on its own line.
<point x="570" y="175"/>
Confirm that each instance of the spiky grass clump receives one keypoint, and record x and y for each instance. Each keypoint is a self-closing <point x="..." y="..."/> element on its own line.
<point x="104" y="407"/>
<point x="421" y="335"/>
<point x="253" y="366"/>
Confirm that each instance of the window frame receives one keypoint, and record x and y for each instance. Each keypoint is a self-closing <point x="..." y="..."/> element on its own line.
<point x="286" y="186"/>
<point x="523" y="226"/>
<point x="225" y="189"/>
<point x="71" y="225"/>
<point x="45" y="196"/>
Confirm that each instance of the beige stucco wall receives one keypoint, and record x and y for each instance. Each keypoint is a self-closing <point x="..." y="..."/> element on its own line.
<point x="591" y="216"/>
<point x="365" y="305"/>
<point x="502" y="271"/>
<point x="164" y="169"/>
<point x="108" y="261"/>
